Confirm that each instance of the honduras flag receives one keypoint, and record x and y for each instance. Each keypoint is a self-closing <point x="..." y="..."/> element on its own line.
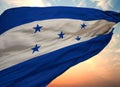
<point x="38" y="44"/>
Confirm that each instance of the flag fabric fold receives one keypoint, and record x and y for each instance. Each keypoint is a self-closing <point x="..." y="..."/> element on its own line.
<point x="40" y="43"/>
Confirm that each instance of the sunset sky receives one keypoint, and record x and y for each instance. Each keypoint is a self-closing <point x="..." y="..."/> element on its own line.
<point x="102" y="70"/>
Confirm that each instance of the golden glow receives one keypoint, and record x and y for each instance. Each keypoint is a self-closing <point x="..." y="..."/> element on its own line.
<point x="101" y="70"/>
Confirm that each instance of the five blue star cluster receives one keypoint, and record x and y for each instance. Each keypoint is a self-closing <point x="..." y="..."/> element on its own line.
<point x="60" y="35"/>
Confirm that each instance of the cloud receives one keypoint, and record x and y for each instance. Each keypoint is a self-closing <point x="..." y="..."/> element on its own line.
<point x="82" y="3"/>
<point x="114" y="44"/>
<point x="16" y="3"/>
<point x="117" y="51"/>
<point x="104" y="4"/>
<point x="6" y="4"/>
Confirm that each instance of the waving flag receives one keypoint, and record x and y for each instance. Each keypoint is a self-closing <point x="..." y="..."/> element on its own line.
<point x="38" y="44"/>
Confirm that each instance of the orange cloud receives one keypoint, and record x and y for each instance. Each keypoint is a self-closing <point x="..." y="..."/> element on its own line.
<point x="104" y="4"/>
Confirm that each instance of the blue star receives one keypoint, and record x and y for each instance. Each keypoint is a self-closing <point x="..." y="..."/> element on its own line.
<point x="36" y="48"/>
<point x="83" y="26"/>
<point x="78" y="38"/>
<point x="61" y="35"/>
<point x="37" y="28"/>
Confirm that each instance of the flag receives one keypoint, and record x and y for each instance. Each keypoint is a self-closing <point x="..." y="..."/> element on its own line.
<point x="37" y="44"/>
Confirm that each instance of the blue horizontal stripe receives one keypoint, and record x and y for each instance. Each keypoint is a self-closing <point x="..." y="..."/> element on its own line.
<point x="18" y="16"/>
<point x="40" y="71"/>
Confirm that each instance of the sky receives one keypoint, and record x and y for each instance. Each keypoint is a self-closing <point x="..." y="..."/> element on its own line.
<point x="102" y="70"/>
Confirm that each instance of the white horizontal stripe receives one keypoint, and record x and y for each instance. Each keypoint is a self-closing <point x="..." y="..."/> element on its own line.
<point x="16" y="44"/>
